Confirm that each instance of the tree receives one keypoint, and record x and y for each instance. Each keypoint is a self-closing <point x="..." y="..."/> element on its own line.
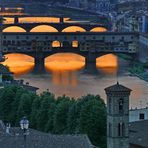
<point x="92" y="121"/>
<point x="47" y="99"/>
<point x="34" y="113"/>
<point x="6" y="99"/>
<point x="49" y="126"/>
<point x="60" y="117"/>
<point x="25" y="105"/>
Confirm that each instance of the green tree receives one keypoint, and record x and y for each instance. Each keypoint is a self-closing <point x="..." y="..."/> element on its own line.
<point x="47" y="99"/>
<point x="92" y="121"/>
<point x="34" y="113"/>
<point x="25" y="105"/>
<point x="6" y="99"/>
<point x="49" y="126"/>
<point x="60" y="117"/>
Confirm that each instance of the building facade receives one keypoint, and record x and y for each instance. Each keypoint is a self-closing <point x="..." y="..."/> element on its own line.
<point x="117" y="116"/>
<point x="138" y="114"/>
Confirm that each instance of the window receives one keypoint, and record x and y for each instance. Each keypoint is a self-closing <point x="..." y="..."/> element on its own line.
<point x="141" y="116"/>
<point x="121" y="129"/>
<point x="121" y="106"/>
<point x="109" y="104"/>
<point x="110" y="130"/>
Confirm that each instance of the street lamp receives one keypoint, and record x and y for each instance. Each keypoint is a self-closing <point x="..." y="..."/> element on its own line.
<point x="24" y="124"/>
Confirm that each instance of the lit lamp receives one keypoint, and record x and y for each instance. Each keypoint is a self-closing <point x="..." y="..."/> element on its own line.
<point x="24" y="124"/>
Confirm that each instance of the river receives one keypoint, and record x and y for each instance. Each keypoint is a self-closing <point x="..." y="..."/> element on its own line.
<point x="66" y="74"/>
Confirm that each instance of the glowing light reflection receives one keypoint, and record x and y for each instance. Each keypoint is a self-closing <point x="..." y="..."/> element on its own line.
<point x="74" y="29"/>
<point x="44" y="28"/>
<point x="19" y="64"/>
<point x="14" y="29"/>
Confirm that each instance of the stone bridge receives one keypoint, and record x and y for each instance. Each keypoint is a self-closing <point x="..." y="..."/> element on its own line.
<point x="88" y="44"/>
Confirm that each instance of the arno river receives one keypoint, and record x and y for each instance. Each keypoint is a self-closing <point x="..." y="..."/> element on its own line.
<point x="66" y="74"/>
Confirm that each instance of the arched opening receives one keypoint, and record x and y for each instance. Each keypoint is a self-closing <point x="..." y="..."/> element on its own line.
<point x="75" y="43"/>
<point x="19" y="64"/>
<point x="43" y="28"/>
<point x="14" y="29"/>
<point x="98" y="29"/>
<point x="64" y="67"/>
<point x="56" y="44"/>
<point x="74" y="29"/>
<point x="121" y="129"/>
<point x="121" y="103"/>
<point x="107" y="63"/>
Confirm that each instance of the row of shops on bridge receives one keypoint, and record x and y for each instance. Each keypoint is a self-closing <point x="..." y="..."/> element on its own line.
<point x="95" y="45"/>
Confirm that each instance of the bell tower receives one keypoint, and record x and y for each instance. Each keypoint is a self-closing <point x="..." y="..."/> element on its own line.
<point x="117" y="116"/>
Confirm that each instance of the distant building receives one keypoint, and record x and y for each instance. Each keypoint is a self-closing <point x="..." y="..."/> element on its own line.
<point x="95" y="5"/>
<point x="103" y="6"/>
<point x="138" y="114"/>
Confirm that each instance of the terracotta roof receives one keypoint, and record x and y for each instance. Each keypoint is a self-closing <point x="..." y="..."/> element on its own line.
<point x="117" y="88"/>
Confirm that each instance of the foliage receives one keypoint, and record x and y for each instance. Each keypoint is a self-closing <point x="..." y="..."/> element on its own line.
<point x="86" y="115"/>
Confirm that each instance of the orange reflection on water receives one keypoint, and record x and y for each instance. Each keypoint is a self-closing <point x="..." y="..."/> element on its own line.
<point x="64" y="67"/>
<point x="8" y="20"/>
<point x="11" y="13"/>
<point x="74" y="29"/>
<point x="19" y="64"/>
<point x="98" y="29"/>
<point x="44" y="28"/>
<point x="107" y="63"/>
<point x="39" y="20"/>
<point x="14" y="29"/>
<point x="64" y="61"/>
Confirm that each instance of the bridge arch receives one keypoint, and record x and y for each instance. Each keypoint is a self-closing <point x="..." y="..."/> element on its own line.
<point x="14" y="60"/>
<point x="43" y="28"/>
<point x="64" y="61"/>
<point x="98" y="29"/>
<point x="74" y="29"/>
<point x="107" y="60"/>
<point x="14" y="29"/>
<point x="56" y="43"/>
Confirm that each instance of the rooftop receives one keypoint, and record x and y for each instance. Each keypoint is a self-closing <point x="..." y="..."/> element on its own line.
<point x="117" y="88"/>
<point x="139" y="133"/>
<point x="37" y="139"/>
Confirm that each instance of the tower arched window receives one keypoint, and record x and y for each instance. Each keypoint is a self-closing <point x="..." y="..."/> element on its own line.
<point x="110" y="104"/>
<point x="110" y="130"/>
<point x="121" y="103"/>
<point x="121" y="129"/>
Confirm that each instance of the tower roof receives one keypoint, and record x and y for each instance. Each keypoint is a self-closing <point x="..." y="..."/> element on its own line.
<point x="117" y="88"/>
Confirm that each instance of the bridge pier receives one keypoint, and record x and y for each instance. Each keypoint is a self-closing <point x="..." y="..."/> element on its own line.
<point x="61" y="20"/>
<point x="16" y="20"/>
<point x="90" y="63"/>
<point x="39" y="64"/>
